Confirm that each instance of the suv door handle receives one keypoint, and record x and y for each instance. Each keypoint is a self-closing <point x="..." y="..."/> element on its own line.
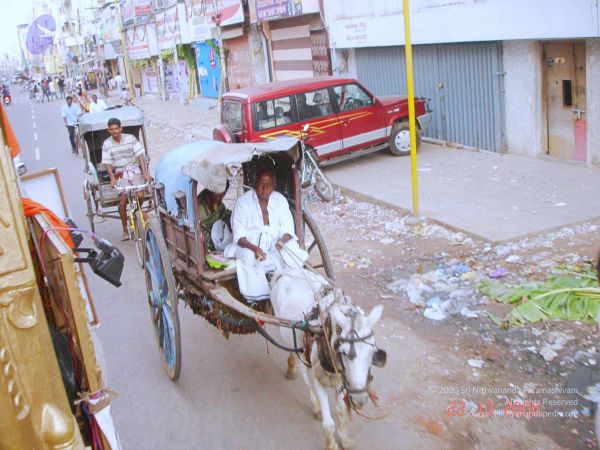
<point x="345" y="122"/>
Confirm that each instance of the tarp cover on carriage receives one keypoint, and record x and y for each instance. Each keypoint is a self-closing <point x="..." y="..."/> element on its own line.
<point x="206" y="163"/>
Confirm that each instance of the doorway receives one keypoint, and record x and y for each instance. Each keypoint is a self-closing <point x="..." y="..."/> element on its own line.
<point x="565" y="100"/>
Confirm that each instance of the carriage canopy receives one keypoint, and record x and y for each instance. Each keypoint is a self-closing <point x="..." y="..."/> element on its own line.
<point x="206" y="162"/>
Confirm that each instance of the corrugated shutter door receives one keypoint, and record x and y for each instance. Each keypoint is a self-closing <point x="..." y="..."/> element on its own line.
<point x="292" y="54"/>
<point x="463" y="81"/>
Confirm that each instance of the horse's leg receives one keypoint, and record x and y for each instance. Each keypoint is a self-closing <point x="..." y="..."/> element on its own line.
<point x="341" y="421"/>
<point x="291" y="369"/>
<point x="314" y="401"/>
<point x="328" y="423"/>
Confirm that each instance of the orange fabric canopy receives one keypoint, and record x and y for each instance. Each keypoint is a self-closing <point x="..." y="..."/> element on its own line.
<point x="31" y="208"/>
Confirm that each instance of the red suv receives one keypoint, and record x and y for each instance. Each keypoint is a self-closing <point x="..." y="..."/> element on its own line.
<point x="345" y="119"/>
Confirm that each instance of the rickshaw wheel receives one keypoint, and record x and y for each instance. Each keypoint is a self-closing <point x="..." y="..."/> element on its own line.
<point x="138" y="236"/>
<point x="314" y="244"/>
<point x="87" y="194"/>
<point x="162" y="298"/>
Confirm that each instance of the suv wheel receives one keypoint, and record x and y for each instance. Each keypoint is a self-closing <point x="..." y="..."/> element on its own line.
<point x="399" y="140"/>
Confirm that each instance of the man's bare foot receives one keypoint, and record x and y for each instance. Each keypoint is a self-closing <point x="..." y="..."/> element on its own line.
<point x="125" y="236"/>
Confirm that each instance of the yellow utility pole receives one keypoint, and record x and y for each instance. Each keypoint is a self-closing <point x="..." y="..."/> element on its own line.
<point x="128" y="73"/>
<point x="411" y="110"/>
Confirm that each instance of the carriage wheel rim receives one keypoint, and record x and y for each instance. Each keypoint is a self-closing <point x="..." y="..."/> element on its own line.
<point x="161" y="304"/>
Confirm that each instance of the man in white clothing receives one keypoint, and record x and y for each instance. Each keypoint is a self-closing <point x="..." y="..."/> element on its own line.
<point x="97" y="105"/>
<point x="262" y="226"/>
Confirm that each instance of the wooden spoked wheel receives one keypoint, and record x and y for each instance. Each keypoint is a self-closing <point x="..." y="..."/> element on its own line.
<point x="162" y="298"/>
<point x="314" y="244"/>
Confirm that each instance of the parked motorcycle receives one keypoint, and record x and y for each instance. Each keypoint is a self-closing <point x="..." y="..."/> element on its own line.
<point x="311" y="174"/>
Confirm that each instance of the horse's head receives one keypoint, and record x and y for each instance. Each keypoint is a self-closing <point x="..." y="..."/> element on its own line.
<point x="354" y="343"/>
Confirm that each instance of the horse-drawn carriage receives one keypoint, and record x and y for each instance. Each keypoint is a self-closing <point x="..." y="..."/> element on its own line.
<point x="101" y="198"/>
<point x="176" y="268"/>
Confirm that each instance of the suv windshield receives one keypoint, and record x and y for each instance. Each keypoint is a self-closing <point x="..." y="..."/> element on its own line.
<point x="232" y="115"/>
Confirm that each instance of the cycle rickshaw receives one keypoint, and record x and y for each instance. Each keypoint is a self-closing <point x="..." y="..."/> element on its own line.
<point x="101" y="198"/>
<point x="175" y="263"/>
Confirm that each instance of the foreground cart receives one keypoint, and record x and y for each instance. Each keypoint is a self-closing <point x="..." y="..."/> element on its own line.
<point x="175" y="264"/>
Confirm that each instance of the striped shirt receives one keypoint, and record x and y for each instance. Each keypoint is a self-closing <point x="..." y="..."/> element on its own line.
<point x="120" y="154"/>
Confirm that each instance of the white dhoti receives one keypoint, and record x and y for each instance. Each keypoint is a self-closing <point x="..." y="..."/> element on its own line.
<point x="248" y="222"/>
<point x="251" y="273"/>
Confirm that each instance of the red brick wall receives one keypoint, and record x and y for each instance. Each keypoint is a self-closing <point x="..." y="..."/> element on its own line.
<point x="239" y="70"/>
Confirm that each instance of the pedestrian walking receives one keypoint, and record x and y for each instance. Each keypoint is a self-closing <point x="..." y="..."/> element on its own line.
<point x="70" y="114"/>
<point x="52" y="90"/>
<point x="61" y="86"/>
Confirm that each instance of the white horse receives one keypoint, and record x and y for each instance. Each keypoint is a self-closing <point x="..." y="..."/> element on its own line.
<point x="341" y="359"/>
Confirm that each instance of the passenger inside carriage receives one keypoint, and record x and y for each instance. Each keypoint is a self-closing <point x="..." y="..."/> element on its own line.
<point x="264" y="238"/>
<point x="215" y="220"/>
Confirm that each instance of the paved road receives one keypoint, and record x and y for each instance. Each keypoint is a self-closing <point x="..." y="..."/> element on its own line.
<point x="231" y="394"/>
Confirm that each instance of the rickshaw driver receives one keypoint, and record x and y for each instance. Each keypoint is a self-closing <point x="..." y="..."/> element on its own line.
<point x="262" y="226"/>
<point x="124" y="158"/>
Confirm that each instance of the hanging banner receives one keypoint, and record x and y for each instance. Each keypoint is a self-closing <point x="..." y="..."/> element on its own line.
<point x="167" y="29"/>
<point x="137" y="43"/>
<point x="231" y="11"/>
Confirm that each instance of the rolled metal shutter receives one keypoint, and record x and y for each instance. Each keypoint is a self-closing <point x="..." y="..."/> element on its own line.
<point x="463" y="81"/>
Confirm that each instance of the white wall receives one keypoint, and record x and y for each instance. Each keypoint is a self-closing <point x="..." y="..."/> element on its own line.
<point x="523" y="97"/>
<point x="592" y="114"/>
<point x="359" y="23"/>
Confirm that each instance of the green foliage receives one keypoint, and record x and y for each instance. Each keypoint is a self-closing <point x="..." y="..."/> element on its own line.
<point x="186" y="52"/>
<point x="571" y="295"/>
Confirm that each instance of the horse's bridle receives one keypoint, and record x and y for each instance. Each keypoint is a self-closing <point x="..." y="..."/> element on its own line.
<point x="352" y="354"/>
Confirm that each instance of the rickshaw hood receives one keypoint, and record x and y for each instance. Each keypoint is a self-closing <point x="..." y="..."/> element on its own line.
<point x="128" y="115"/>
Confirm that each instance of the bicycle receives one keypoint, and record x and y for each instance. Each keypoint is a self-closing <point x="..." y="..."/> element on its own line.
<point x="136" y="222"/>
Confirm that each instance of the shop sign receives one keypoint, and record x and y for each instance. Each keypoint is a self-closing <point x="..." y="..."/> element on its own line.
<point x="167" y="29"/>
<point x="231" y="11"/>
<point x="277" y="9"/>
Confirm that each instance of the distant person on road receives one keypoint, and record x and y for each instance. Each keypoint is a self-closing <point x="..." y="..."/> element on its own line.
<point x="124" y="158"/>
<point x="97" y="105"/>
<point x="84" y="102"/>
<point x="70" y="114"/>
<point x="45" y="90"/>
<point x="61" y="86"/>
<point x="52" y="90"/>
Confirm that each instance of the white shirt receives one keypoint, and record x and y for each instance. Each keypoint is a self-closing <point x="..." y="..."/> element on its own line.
<point x="71" y="113"/>
<point x="247" y="220"/>
<point x="98" y="106"/>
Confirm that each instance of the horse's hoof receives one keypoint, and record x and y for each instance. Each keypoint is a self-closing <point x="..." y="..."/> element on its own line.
<point x="318" y="415"/>
<point x="290" y="375"/>
<point x="332" y="446"/>
<point x="347" y="443"/>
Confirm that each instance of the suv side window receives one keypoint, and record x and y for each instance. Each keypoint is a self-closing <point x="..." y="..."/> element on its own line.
<point x="232" y="116"/>
<point x="272" y="113"/>
<point x="313" y="104"/>
<point x="351" y="96"/>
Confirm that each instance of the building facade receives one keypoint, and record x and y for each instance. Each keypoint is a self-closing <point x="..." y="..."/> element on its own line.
<point x="516" y="75"/>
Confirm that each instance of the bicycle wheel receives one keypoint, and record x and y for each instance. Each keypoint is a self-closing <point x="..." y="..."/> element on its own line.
<point x="138" y="236"/>
<point x="162" y="298"/>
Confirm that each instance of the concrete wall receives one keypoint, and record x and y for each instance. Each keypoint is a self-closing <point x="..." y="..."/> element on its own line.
<point x="523" y="104"/>
<point x="592" y="114"/>
<point x="359" y="23"/>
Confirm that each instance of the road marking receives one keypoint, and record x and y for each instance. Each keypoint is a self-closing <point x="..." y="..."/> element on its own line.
<point x="34" y="125"/>
<point x="37" y="153"/>
<point x="35" y="136"/>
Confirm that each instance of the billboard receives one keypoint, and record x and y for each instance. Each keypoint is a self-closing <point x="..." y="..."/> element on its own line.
<point x="40" y="35"/>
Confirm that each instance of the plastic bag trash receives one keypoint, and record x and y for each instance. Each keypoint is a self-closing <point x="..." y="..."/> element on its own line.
<point x="468" y="313"/>
<point x="435" y="312"/>
<point x="514" y="259"/>
<point x="434" y="301"/>
<point x="498" y="273"/>
<point x="477" y="363"/>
